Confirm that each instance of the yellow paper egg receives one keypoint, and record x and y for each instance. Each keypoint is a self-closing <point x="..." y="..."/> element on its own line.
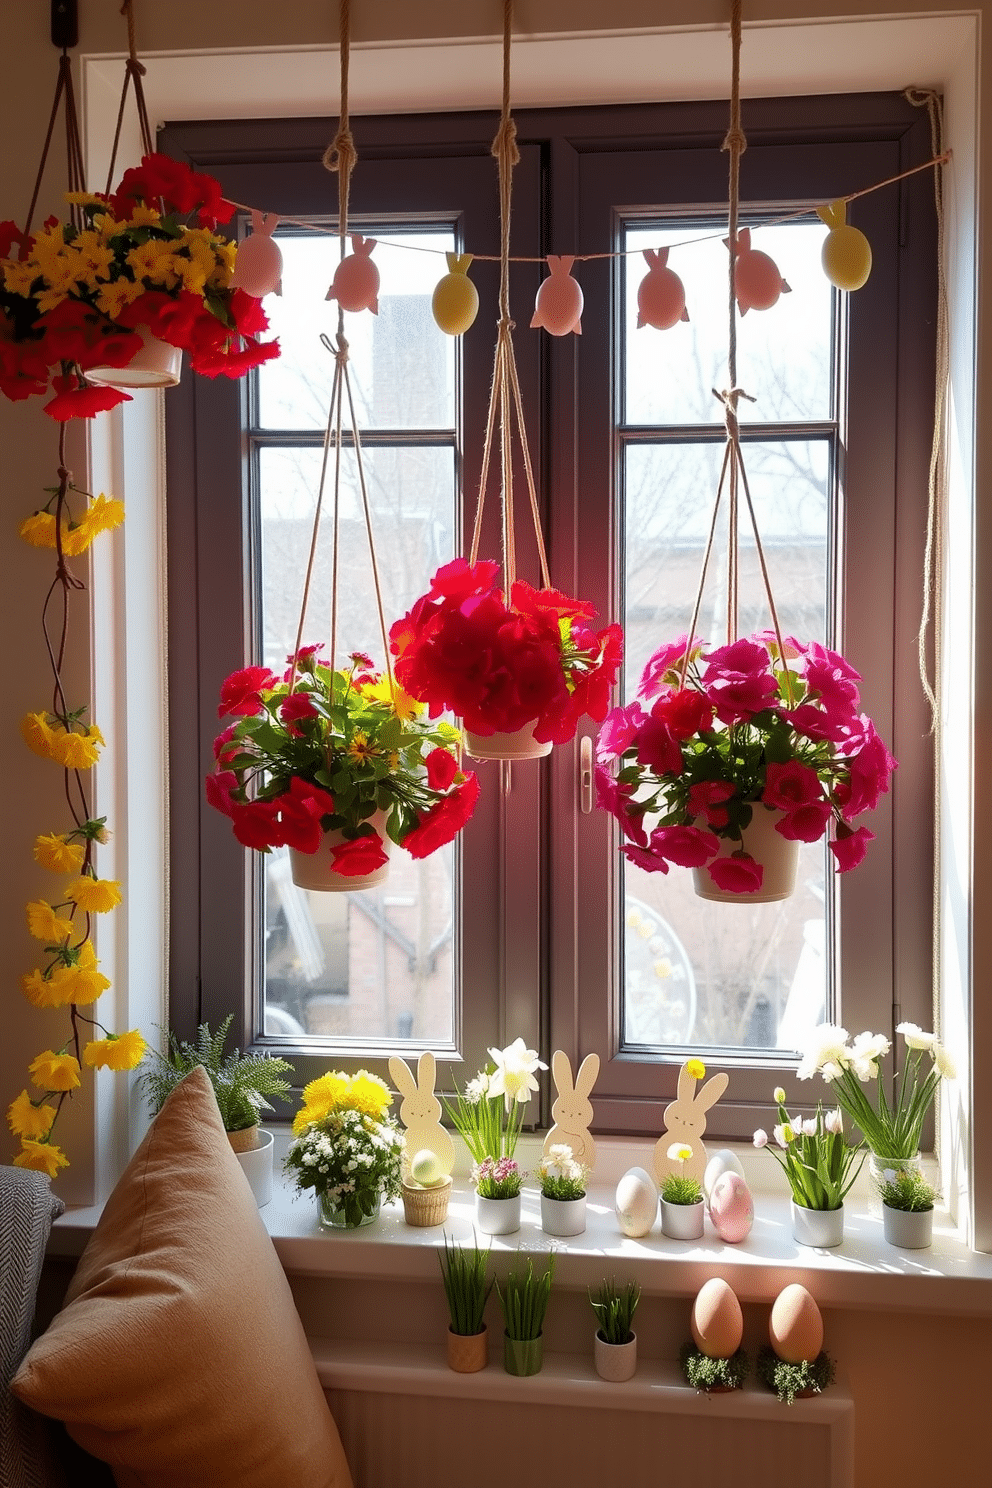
<point x="846" y="252"/>
<point x="717" y="1321"/>
<point x="425" y="1167"/>
<point x="456" y="300"/>
<point x="795" y="1327"/>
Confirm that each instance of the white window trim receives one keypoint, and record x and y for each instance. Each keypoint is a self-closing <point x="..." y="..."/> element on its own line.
<point x="126" y="452"/>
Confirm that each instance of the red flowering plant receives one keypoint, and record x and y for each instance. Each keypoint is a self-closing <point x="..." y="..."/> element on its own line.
<point x="710" y="740"/>
<point x="147" y="259"/>
<point x="499" y="665"/>
<point x="322" y="749"/>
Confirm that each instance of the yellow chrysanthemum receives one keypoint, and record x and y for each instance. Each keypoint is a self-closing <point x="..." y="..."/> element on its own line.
<point x="116" y="1053"/>
<point x="696" y="1068"/>
<point x="19" y="277"/>
<point x="76" y="751"/>
<point x="85" y="199"/>
<point x="55" y="852"/>
<point x="38" y="529"/>
<point x="140" y="217"/>
<point x="79" y="985"/>
<point x="154" y="260"/>
<point x="95" y="895"/>
<point x="51" y="1071"/>
<point x="43" y="1157"/>
<point x="51" y="991"/>
<point x="112" y="298"/>
<point x="369" y="1094"/>
<point x="37" y="734"/>
<point x="104" y="514"/>
<point x="26" y="1119"/>
<point x="402" y="704"/>
<point x="359" y="749"/>
<point x="322" y="1096"/>
<point x="45" y="924"/>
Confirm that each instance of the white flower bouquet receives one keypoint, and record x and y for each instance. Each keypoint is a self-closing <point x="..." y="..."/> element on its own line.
<point x="346" y="1149"/>
<point x="816" y="1158"/>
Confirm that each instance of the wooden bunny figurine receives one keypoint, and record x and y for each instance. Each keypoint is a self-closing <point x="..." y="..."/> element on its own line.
<point x="685" y="1122"/>
<point x="572" y="1108"/>
<point x="420" y="1111"/>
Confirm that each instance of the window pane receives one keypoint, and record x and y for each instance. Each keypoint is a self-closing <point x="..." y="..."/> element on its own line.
<point x="783" y="354"/>
<point x="402" y="366"/>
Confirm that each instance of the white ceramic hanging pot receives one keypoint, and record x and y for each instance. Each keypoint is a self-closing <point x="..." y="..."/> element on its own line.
<point x="778" y="856"/>
<point x="316" y="870"/>
<point x="157" y="364"/>
<point x="519" y="745"/>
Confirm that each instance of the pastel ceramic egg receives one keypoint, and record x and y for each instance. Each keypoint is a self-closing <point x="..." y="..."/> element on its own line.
<point x="722" y="1161"/>
<point x="455" y="303"/>
<point x="660" y="294"/>
<point x="636" y="1202"/>
<point x="846" y="252"/>
<point x="717" y="1322"/>
<point x="757" y="281"/>
<point x="731" y="1208"/>
<point x="258" y="264"/>
<point x="559" y="299"/>
<point x="425" y="1167"/>
<point x="356" y="280"/>
<point x="796" y="1326"/>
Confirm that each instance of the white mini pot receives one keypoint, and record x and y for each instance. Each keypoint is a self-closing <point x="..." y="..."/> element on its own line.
<point x="615" y="1361"/>
<point x="682" y="1221"/>
<point x="256" y="1164"/>
<point x="563" y="1216"/>
<point x="497" y="1216"/>
<point x="910" y="1229"/>
<point x="821" y="1228"/>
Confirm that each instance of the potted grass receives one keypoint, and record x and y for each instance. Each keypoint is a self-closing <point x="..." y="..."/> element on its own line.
<point x="907" y="1208"/>
<point x="467" y="1284"/>
<point x="524" y="1297"/>
<point x="682" y="1202"/>
<point x="615" y="1344"/>
<point x="820" y="1165"/>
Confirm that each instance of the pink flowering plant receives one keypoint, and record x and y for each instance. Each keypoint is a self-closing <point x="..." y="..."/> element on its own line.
<point x="718" y="734"/>
<point x="816" y="1157"/>
<point x="498" y="1178"/>
<point x="321" y="749"/>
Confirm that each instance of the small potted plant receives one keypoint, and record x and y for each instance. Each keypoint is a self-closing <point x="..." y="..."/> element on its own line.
<point x="524" y="1297"/>
<point x="467" y="1284"/>
<point x="907" y="1208"/>
<point x="615" y="1344"/>
<point x="682" y="1203"/>
<point x="820" y="1166"/>
<point x="563" y="1191"/>
<point x="346" y="1149"/>
<point x="488" y="1115"/>
<point x="244" y="1084"/>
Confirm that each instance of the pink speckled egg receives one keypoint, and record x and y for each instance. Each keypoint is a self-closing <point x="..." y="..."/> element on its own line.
<point x="795" y="1327"/>
<point x="757" y="281"/>
<point x="660" y="294"/>
<point x="356" y="279"/>
<point x="731" y="1208"/>
<point x="258" y="265"/>
<point x="559" y="299"/>
<point x="717" y="1321"/>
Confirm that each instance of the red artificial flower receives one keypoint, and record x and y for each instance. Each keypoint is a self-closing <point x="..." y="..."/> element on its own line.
<point x="218" y="787"/>
<point x="685" y="712"/>
<point x="239" y="694"/>
<point x="459" y="580"/>
<point x="293" y="708"/>
<point x="644" y="858"/>
<point x="70" y="330"/>
<point x="688" y="847"/>
<point x="247" y="313"/>
<point x="658" y="749"/>
<point x="300" y="811"/>
<point x="442" y="767"/>
<point x="613" y="797"/>
<point x="664" y="667"/>
<point x="544" y="603"/>
<point x="224" y="749"/>
<point x="179" y="188"/>
<point x="870" y="769"/>
<point x="806" y="823"/>
<point x="444" y="820"/>
<point x="10" y="234"/>
<point x="737" y="874"/>
<point x="220" y="363"/>
<point x="706" y="798"/>
<point x="363" y="855"/>
<point x="790" y="785"/>
<point x="849" y="846"/>
<point x="256" y="824"/>
<point x="618" y="731"/>
<point x="83" y="401"/>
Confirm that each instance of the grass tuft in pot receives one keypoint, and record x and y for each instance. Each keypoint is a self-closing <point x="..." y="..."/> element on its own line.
<point x="614" y="1306"/>
<point x="464" y="1272"/>
<point x="524" y="1297"/>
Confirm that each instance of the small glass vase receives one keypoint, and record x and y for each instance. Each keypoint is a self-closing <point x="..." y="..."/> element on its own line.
<point x="333" y="1218"/>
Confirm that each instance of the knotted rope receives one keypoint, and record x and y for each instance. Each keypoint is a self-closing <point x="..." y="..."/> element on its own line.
<point x="134" y="71"/>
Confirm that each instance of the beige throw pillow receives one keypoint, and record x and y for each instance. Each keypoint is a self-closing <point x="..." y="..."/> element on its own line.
<point x="179" y="1357"/>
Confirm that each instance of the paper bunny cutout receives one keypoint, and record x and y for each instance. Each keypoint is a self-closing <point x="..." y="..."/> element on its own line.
<point x="685" y="1122"/>
<point x="420" y="1110"/>
<point x="559" y="299"/>
<point x="572" y="1108"/>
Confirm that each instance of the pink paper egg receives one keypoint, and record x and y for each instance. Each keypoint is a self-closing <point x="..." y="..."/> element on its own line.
<point x="258" y="265"/>
<point x="660" y="294"/>
<point x="559" y="299"/>
<point x="717" y="1322"/>
<point x="731" y="1208"/>
<point x="757" y="281"/>
<point x="795" y="1327"/>
<point x="356" y="279"/>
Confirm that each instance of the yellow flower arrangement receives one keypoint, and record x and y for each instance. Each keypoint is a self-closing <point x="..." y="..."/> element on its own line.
<point x="361" y="1092"/>
<point x="43" y="1157"/>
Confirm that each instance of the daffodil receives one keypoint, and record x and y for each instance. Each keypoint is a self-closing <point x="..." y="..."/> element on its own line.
<point x="55" y="852"/>
<point x="95" y="895"/>
<point x="116" y="1052"/>
<point x="28" y="1118"/>
<point x="42" y="1157"/>
<point x="51" y="1071"/>
<point x="514" y="1076"/>
<point x="44" y="923"/>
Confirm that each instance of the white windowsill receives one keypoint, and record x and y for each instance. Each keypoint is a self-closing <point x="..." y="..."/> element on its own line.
<point x="864" y="1272"/>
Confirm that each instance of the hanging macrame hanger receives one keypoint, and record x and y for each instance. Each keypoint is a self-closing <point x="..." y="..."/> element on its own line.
<point x="73" y="142"/>
<point x="134" y="71"/>
<point x="505" y="391"/>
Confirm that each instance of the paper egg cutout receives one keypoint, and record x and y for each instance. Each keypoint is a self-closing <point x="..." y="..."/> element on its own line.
<point x="636" y="1202"/>
<point x="757" y="281"/>
<point x="356" y="280"/>
<point x="660" y="294"/>
<point x="846" y="252"/>
<point x="722" y="1161"/>
<point x="795" y="1327"/>
<point x="426" y="1167"/>
<point x="456" y="300"/>
<point x="258" y="265"/>
<point x="731" y="1208"/>
<point x="559" y="299"/>
<point x="717" y="1322"/>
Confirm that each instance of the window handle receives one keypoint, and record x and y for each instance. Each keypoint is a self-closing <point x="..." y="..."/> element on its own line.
<point x="585" y="775"/>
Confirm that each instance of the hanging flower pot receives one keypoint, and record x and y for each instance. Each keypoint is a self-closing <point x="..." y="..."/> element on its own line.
<point x="520" y="673"/>
<point x="727" y="750"/>
<point x="336" y="765"/>
<point x="157" y="364"/>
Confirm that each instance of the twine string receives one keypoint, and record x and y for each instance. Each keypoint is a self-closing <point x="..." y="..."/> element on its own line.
<point x="134" y="71"/>
<point x="64" y="91"/>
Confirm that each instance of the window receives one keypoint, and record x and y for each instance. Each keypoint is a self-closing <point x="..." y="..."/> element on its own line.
<point x="549" y="938"/>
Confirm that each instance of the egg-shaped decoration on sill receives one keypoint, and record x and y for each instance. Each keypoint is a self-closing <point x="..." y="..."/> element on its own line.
<point x="355" y="285"/>
<point x="717" y="1322"/>
<point x="559" y="299"/>
<point x="455" y="302"/>
<point x="724" y="1160"/>
<point x="757" y="281"/>
<point x="258" y="264"/>
<point x="731" y="1208"/>
<point x="660" y="294"/>
<point x="846" y="252"/>
<point x="795" y="1328"/>
<point x="636" y="1203"/>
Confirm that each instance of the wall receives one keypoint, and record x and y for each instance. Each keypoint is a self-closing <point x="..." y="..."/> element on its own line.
<point x="874" y="1348"/>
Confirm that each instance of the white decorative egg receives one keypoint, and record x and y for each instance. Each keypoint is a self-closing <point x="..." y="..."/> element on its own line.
<point x="425" y="1167"/>
<point x="722" y="1161"/>
<point x="796" y="1326"/>
<point x="637" y="1202"/>
<point x="717" y="1321"/>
